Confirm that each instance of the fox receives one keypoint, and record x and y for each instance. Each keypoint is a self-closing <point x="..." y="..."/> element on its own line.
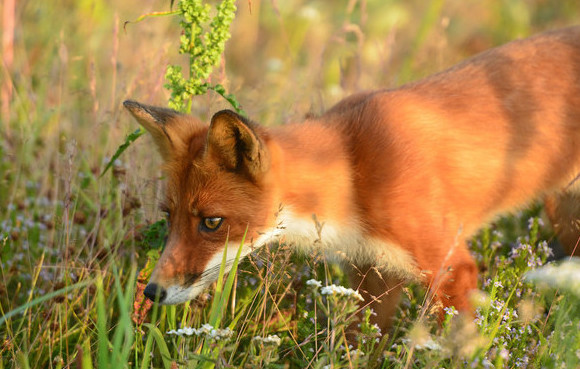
<point x="391" y="181"/>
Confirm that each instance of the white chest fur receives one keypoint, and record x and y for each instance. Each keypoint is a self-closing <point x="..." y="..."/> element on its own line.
<point x="342" y="242"/>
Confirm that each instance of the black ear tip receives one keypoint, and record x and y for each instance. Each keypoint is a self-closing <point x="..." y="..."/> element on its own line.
<point x="131" y="104"/>
<point x="226" y="113"/>
<point x="231" y="116"/>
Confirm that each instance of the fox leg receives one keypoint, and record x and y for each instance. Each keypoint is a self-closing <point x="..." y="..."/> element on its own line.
<point x="563" y="209"/>
<point x="452" y="277"/>
<point x="381" y="292"/>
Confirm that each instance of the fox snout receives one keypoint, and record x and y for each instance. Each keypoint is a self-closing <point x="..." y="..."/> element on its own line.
<point x="177" y="277"/>
<point x="169" y="286"/>
<point x="154" y="292"/>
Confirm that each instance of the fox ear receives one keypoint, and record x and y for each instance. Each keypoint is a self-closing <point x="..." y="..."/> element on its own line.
<point x="232" y="141"/>
<point x="157" y="121"/>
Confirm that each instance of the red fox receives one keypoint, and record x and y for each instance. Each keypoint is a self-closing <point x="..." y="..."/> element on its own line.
<point x="396" y="179"/>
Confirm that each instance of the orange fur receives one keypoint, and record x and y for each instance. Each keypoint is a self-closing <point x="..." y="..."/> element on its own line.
<point x="397" y="178"/>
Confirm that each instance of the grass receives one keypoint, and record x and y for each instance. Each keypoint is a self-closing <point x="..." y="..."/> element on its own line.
<point x="72" y="242"/>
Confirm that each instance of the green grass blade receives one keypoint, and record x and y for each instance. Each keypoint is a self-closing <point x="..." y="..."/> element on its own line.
<point x="103" y="345"/>
<point x="171" y="312"/>
<point x="221" y="299"/>
<point x="87" y="362"/>
<point x="231" y="277"/>
<point x="149" y="343"/>
<point x="219" y="89"/>
<point x="147" y="352"/>
<point x="128" y="141"/>
<point x="124" y="336"/>
<point x="44" y="298"/>
<point x="22" y="360"/>
<point x="151" y="15"/>
<point x="163" y="349"/>
<point x="216" y="308"/>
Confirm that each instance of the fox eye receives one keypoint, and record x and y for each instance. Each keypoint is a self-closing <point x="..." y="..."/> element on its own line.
<point x="211" y="224"/>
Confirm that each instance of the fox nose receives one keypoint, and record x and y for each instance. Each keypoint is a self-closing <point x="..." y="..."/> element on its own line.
<point x="152" y="291"/>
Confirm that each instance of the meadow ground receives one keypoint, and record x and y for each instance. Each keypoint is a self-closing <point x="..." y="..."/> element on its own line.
<point x="72" y="241"/>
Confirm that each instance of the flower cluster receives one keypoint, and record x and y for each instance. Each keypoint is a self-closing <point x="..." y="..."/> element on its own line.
<point x="354" y="354"/>
<point x="450" y="310"/>
<point x="314" y="283"/>
<point x="429" y="344"/>
<point x="526" y="252"/>
<point x="270" y="340"/>
<point x="426" y="343"/>
<point x="565" y="276"/>
<point x="340" y="291"/>
<point x="206" y="331"/>
<point x="203" y="47"/>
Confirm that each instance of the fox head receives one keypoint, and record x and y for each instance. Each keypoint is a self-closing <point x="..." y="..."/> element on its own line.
<point x="217" y="190"/>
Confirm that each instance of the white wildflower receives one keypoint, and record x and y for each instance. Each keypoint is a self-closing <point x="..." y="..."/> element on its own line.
<point x="532" y="220"/>
<point x="497" y="304"/>
<point x="487" y="364"/>
<point x="565" y="276"/>
<point x="206" y="331"/>
<point x="314" y="283"/>
<point x="504" y="354"/>
<point x="270" y="340"/>
<point x="188" y="331"/>
<point x="429" y="344"/>
<point x="220" y="334"/>
<point x="341" y="291"/>
<point x="451" y="310"/>
<point x="522" y="362"/>
<point x="353" y="354"/>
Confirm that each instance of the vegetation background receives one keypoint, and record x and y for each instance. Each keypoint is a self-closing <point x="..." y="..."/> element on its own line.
<point x="71" y="241"/>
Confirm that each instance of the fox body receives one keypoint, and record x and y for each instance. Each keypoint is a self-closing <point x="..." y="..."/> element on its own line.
<point x="392" y="181"/>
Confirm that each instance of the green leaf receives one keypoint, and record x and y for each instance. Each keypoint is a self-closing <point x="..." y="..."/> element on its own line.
<point x="229" y="97"/>
<point x="150" y="15"/>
